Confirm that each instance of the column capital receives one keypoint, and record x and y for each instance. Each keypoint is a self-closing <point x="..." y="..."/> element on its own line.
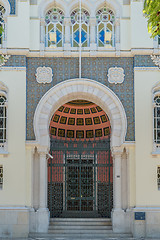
<point x="117" y="151"/>
<point x="117" y="22"/>
<point x="42" y="21"/>
<point x="42" y="150"/>
<point x="67" y="21"/>
<point x="93" y="21"/>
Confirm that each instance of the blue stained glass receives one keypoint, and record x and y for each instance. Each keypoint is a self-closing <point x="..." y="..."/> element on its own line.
<point x="59" y="35"/>
<point x="76" y="36"/>
<point x="101" y="36"/>
<point x="83" y="36"/>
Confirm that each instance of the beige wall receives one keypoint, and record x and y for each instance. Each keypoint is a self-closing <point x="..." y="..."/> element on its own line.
<point x="14" y="163"/>
<point x="147" y="193"/>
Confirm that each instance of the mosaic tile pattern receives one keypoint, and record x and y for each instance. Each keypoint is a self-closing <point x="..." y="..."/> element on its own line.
<point x="92" y="68"/>
<point x="143" y="61"/>
<point x="13" y="6"/>
<point x="16" y="61"/>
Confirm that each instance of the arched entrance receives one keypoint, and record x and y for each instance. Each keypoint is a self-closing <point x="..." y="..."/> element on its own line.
<point x="80" y="175"/>
<point x="105" y="98"/>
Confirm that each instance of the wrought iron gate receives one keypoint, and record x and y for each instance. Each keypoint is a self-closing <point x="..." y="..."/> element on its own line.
<point x="80" y="179"/>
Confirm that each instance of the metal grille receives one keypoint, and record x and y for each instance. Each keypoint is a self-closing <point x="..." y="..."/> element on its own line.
<point x="80" y="179"/>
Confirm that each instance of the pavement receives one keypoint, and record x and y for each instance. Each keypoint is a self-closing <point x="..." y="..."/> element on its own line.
<point x="63" y="238"/>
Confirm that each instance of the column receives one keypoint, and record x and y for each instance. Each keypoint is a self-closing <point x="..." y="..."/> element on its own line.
<point x="43" y="179"/>
<point x="42" y="36"/>
<point x="67" y="23"/>
<point x="4" y="40"/>
<point x="43" y="212"/>
<point x="118" y="215"/>
<point x="117" y="36"/>
<point x="93" y="45"/>
<point x="117" y="198"/>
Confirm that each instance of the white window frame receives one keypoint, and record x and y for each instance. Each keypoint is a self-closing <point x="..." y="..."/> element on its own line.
<point x="55" y="28"/>
<point x="4" y="145"/>
<point x="1" y="177"/>
<point x="105" y="23"/>
<point x="158" y="177"/>
<point x="82" y="23"/>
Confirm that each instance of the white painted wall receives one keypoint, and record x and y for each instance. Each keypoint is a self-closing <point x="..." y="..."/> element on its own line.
<point x="139" y="33"/>
<point x="14" y="164"/>
<point x="18" y="27"/>
<point x="147" y="193"/>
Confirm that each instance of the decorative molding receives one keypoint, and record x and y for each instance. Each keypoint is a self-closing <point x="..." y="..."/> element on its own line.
<point x="12" y="68"/>
<point x="4" y="59"/>
<point x="156" y="60"/>
<point x="44" y="75"/>
<point x="116" y="75"/>
<point x="146" y="68"/>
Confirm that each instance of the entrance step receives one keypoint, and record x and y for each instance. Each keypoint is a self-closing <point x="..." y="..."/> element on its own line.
<point x="81" y="228"/>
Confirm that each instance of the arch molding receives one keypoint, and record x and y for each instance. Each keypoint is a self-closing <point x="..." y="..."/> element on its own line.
<point x="74" y="89"/>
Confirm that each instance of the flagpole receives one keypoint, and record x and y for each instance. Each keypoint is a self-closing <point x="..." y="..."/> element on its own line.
<point x="80" y="40"/>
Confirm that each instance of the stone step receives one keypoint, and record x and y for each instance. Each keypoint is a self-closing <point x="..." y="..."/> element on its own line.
<point x="83" y="236"/>
<point x="86" y="223"/>
<point x="80" y="220"/>
<point x="80" y="231"/>
<point x="81" y="227"/>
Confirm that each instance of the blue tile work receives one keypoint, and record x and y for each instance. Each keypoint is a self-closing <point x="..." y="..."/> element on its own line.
<point x="92" y="68"/>
<point x="13" y="6"/>
<point x="16" y="61"/>
<point x="143" y="61"/>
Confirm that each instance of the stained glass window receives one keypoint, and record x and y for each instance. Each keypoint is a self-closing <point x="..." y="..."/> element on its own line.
<point x="54" y="28"/>
<point x="105" y="27"/>
<point x="157" y="120"/>
<point x="2" y="11"/>
<point x="85" y="32"/>
<point x="3" y="119"/>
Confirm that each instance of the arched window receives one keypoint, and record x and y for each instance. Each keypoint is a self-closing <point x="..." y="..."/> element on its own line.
<point x="157" y="119"/>
<point x="54" y="28"/>
<point x="3" y="120"/>
<point x="75" y="19"/>
<point x="2" y="24"/>
<point x="105" y="27"/>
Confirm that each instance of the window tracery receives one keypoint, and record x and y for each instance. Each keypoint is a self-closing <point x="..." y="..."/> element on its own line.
<point x="85" y="32"/>
<point x="105" y="27"/>
<point x="54" y="28"/>
<point x="2" y="23"/>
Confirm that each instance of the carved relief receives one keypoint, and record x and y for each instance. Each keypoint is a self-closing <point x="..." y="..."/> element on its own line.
<point x="116" y="75"/>
<point x="44" y="75"/>
<point x="156" y="60"/>
<point x="4" y="59"/>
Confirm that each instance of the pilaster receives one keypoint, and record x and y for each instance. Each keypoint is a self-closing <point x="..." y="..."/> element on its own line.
<point x="93" y="45"/>
<point x="67" y="44"/>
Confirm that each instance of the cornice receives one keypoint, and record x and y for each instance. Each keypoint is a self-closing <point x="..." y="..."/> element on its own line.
<point x="146" y="69"/>
<point x="13" y="69"/>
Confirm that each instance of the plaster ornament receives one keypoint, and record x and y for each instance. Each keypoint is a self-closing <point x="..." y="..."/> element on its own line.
<point x="44" y="75"/>
<point x="156" y="60"/>
<point x="3" y="59"/>
<point x="116" y="75"/>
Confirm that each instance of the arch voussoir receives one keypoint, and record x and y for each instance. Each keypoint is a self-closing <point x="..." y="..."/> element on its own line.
<point x="80" y="89"/>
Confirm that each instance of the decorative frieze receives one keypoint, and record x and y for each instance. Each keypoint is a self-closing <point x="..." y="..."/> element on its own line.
<point x="44" y="75"/>
<point x="116" y="75"/>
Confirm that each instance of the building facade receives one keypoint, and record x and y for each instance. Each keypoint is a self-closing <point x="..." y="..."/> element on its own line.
<point x="60" y="97"/>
